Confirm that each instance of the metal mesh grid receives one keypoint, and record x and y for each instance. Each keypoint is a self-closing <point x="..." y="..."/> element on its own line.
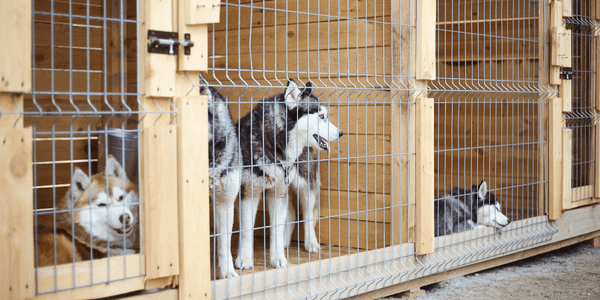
<point x="491" y="99"/>
<point x="583" y="117"/>
<point x="84" y="107"/>
<point x="359" y="55"/>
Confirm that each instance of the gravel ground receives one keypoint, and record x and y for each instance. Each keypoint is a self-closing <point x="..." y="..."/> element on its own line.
<point x="569" y="273"/>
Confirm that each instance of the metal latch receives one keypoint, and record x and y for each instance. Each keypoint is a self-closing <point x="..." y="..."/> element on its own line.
<point x="566" y="73"/>
<point x="165" y="42"/>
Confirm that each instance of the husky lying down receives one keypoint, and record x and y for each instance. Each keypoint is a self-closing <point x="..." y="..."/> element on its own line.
<point x="272" y="138"/>
<point x="464" y="210"/>
<point x="104" y="220"/>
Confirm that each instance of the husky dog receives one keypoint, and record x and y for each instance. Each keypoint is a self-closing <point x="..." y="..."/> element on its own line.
<point x="103" y="221"/>
<point x="306" y="188"/>
<point x="272" y="138"/>
<point x="224" y="177"/>
<point x="465" y="209"/>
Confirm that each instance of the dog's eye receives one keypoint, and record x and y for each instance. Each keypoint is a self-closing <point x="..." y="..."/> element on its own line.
<point x="121" y="198"/>
<point x="322" y="117"/>
<point x="101" y="204"/>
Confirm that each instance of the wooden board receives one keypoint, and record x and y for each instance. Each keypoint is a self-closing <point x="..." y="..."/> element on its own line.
<point x="159" y="185"/>
<point x="567" y="147"/>
<point x="425" y="60"/>
<point x="193" y="197"/>
<point x="193" y="15"/>
<point x="555" y="158"/>
<point x="200" y="12"/>
<point x="159" y="69"/>
<point x="10" y="107"/>
<point x="15" y="66"/>
<point x="343" y="176"/>
<point x="424" y="176"/>
<point x="84" y="273"/>
<point x="16" y="218"/>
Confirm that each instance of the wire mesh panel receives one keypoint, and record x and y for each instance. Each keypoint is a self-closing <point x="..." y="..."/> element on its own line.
<point x="86" y="148"/>
<point x="491" y="134"/>
<point x="322" y="94"/>
<point x="582" y="119"/>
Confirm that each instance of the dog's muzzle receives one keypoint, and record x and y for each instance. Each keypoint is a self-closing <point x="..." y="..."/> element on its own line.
<point x="323" y="143"/>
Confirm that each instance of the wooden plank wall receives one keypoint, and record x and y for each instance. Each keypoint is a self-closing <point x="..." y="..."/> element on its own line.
<point x="482" y="132"/>
<point x="347" y="55"/>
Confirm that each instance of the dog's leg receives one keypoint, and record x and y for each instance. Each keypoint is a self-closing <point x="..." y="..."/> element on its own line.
<point x="224" y="223"/>
<point x="278" y="204"/>
<point x="248" y="206"/>
<point x="289" y="226"/>
<point x="308" y="200"/>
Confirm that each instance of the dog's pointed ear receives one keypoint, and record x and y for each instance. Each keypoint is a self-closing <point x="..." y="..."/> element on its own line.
<point x="79" y="183"/>
<point x="308" y="87"/>
<point x="113" y="168"/>
<point x="292" y="93"/>
<point x="482" y="190"/>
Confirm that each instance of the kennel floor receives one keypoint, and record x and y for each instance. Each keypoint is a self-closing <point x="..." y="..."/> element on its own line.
<point x="295" y="254"/>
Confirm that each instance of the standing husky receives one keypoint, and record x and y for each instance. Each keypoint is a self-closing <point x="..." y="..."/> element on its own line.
<point x="103" y="220"/>
<point x="272" y="138"/>
<point x="224" y="177"/>
<point x="306" y="188"/>
<point x="464" y="210"/>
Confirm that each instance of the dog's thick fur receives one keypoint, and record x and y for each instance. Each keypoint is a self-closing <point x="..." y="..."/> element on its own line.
<point x="272" y="138"/>
<point x="224" y="177"/>
<point x="306" y="188"/>
<point x="104" y="219"/>
<point x="467" y="209"/>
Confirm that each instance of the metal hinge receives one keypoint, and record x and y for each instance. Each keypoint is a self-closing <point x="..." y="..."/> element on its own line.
<point x="566" y="73"/>
<point x="165" y="42"/>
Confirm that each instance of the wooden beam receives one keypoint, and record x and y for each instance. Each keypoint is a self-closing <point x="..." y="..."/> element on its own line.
<point x="159" y="178"/>
<point x="193" y="197"/>
<point x="201" y="11"/>
<point x="17" y="273"/>
<point x="424" y="175"/>
<point x="15" y="49"/>
<point x="555" y="158"/>
<point x="10" y="106"/>
<point x="567" y="141"/>
<point x="192" y="18"/>
<point x="426" y="11"/>
<point x="567" y="10"/>
<point x="597" y="161"/>
<point x="159" y="69"/>
<point x="565" y="94"/>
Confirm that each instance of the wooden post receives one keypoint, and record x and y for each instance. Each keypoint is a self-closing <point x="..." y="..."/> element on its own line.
<point x="555" y="158"/>
<point x="158" y="178"/>
<point x="424" y="176"/>
<point x="17" y="268"/>
<point x="426" y="12"/>
<point x="193" y="197"/>
<point x="567" y="137"/>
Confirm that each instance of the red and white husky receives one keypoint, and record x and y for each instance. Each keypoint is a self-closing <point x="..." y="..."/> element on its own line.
<point x="98" y="216"/>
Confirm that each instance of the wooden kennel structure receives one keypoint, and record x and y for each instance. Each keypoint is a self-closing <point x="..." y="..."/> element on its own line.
<point x="393" y="164"/>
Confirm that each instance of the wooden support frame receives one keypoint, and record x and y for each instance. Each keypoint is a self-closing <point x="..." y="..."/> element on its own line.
<point x="425" y="176"/>
<point x="425" y="54"/>
<point x="555" y="159"/>
<point x="15" y="65"/>
<point x="193" y="198"/>
<point x="567" y="141"/>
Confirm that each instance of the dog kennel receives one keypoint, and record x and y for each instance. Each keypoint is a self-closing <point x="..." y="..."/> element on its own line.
<point x="430" y="95"/>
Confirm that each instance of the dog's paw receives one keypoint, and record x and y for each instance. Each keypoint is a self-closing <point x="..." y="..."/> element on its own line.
<point x="312" y="247"/>
<point x="278" y="261"/>
<point x="227" y="273"/>
<point x="244" y="263"/>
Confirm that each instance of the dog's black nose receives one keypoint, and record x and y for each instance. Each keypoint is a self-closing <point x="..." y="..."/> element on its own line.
<point x="508" y="222"/>
<point x="341" y="133"/>
<point x="125" y="218"/>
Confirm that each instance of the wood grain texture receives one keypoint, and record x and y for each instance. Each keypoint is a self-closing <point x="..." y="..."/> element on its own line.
<point x="10" y="106"/>
<point x="425" y="176"/>
<point x="555" y="158"/>
<point x="17" y="273"/>
<point x="200" y="11"/>
<point x="567" y="145"/>
<point x="193" y="198"/>
<point x="426" y="61"/>
<point x="15" y="49"/>
<point x="159" y="195"/>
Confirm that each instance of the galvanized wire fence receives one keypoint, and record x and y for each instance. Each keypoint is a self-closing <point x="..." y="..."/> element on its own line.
<point x="491" y="138"/>
<point x="86" y="116"/>
<point x="583" y="118"/>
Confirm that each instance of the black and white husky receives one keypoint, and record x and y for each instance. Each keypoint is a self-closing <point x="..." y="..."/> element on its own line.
<point x="272" y="138"/>
<point x="224" y="177"/>
<point x="466" y="209"/>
